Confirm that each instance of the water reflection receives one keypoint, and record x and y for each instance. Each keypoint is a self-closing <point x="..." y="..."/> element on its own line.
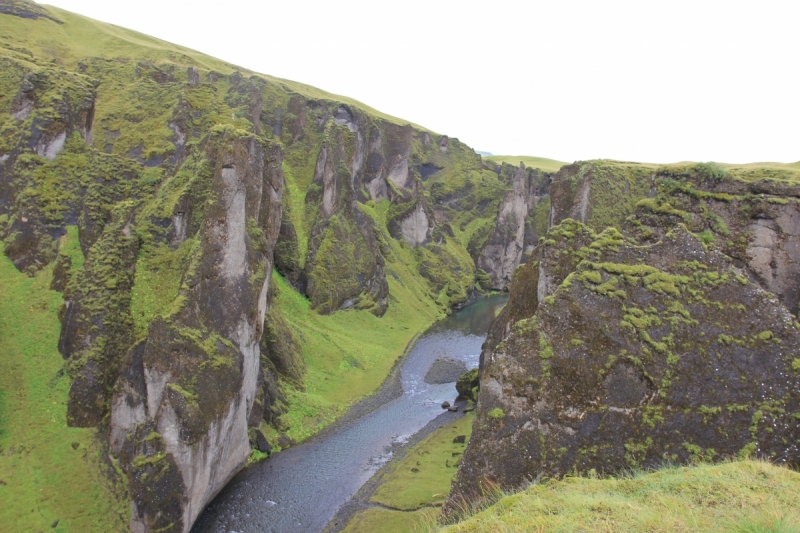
<point x="300" y="489"/>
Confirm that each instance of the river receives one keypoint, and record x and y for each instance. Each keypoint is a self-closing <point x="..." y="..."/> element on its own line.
<point x="300" y="489"/>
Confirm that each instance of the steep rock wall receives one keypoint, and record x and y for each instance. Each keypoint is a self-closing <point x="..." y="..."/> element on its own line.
<point x="619" y="352"/>
<point x="180" y="413"/>
<point x="515" y="231"/>
<point x="757" y="223"/>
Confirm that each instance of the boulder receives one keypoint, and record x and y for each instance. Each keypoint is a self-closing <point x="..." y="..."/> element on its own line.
<point x="261" y="443"/>
<point x="445" y="370"/>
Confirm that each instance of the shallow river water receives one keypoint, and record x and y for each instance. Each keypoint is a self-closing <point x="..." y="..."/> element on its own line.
<point x="300" y="489"/>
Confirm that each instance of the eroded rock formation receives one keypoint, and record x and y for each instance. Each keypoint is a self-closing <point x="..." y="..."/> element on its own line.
<point x="180" y="412"/>
<point x="623" y="351"/>
<point x="516" y="231"/>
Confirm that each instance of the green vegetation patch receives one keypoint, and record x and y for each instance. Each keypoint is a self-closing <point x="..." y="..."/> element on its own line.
<point x="159" y="270"/>
<point x="348" y="354"/>
<point x="422" y="478"/>
<point x="389" y="521"/>
<point x="616" y="188"/>
<point x="49" y="471"/>
<point x="745" y="496"/>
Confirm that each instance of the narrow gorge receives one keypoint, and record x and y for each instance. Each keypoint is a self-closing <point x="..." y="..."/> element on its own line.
<point x="227" y="262"/>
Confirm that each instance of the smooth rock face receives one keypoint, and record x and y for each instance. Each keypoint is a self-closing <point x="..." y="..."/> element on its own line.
<point x="193" y="387"/>
<point x="637" y="354"/>
<point x="416" y="227"/>
<point x="514" y="234"/>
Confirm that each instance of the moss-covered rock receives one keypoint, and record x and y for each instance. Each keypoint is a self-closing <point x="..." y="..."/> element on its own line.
<point x="200" y="362"/>
<point x="641" y="353"/>
<point x="754" y="221"/>
<point x="468" y="385"/>
<point x="599" y="193"/>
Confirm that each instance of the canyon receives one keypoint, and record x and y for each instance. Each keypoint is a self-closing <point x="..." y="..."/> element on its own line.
<point x="242" y="258"/>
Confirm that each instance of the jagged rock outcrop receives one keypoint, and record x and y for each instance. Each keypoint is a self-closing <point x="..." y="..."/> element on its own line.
<point x="344" y="268"/>
<point x="599" y="193"/>
<point x="757" y="222"/>
<point x="619" y="352"/>
<point x="332" y="248"/>
<point x="50" y="105"/>
<point x="180" y="411"/>
<point x="750" y="215"/>
<point x="516" y="229"/>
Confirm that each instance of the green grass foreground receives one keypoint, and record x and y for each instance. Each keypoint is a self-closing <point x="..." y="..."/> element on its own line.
<point x="48" y="471"/>
<point x="745" y="497"/>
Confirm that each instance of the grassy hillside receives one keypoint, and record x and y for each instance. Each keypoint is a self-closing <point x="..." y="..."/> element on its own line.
<point x="48" y="472"/>
<point x="746" y="496"/>
<point x="81" y="37"/>
<point x="548" y="165"/>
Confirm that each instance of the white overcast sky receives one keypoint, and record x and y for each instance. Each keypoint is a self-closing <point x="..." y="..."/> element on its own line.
<point x="644" y="80"/>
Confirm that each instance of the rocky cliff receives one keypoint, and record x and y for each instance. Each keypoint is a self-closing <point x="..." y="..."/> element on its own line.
<point x="522" y="217"/>
<point x="625" y="350"/>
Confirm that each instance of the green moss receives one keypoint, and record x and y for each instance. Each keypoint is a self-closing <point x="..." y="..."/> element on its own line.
<point x="776" y="200"/>
<point x="655" y="206"/>
<point x="592" y="276"/>
<point x="142" y="460"/>
<point x="159" y="273"/>
<point x="189" y="396"/>
<point x="706" y="237"/>
<point x="542" y="216"/>
<point x="496" y="414"/>
<point x="422" y="478"/>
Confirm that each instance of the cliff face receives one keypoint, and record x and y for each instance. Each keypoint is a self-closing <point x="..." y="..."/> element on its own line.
<point x="521" y="220"/>
<point x="180" y="410"/>
<point x="357" y="181"/>
<point x="625" y="350"/>
<point x="600" y="193"/>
